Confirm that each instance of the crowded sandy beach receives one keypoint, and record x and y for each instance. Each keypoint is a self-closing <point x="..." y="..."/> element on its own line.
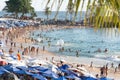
<point x="24" y="60"/>
<point x="59" y="40"/>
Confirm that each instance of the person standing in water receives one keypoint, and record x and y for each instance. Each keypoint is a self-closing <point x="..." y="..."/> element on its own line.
<point x="106" y="50"/>
<point x="77" y="53"/>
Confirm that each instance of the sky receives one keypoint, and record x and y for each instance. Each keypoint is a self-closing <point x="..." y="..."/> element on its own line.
<point x="39" y="5"/>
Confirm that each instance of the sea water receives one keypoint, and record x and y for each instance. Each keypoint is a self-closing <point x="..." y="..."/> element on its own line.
<point x="41" y="14"/>
<point x="84" y="40"/>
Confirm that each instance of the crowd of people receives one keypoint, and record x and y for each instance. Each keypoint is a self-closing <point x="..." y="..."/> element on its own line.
<point x="17" y="51"/>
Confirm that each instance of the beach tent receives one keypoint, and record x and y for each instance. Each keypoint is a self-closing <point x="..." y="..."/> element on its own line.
<point x="61" y="78"/>
<point x="105" y="78"/>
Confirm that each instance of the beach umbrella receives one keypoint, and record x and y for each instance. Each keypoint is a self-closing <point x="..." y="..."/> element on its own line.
<point x="105" y="78"/>
<point x="87" y="78"/>
<point x="18" y="71"/>
<point x="50" y="74"/>
<point x="3" y="70"/>
<point x="40" y="77"/>
<point x="28" y="73"/>
<point x="61" y="78"/>
<point x="66" y="71"/>
<point x="65" y="66"/>
<point x="8" y="67"/>
<point x="72" y="76"/>
<point x="21" y="67"/>
<point x="13" y="69"/>
<point x="42" y="69"/>
<point x="33" y="70"/>
<point x="91" y="78"/>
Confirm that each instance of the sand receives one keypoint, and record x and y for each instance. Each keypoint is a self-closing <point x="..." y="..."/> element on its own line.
<point x="23" y="37"/>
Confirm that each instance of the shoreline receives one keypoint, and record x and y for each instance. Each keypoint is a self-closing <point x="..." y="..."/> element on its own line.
<point x="25" y="40"/>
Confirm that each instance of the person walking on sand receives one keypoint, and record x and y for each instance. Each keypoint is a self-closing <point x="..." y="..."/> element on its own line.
<point x="91" y="65"/>
<point x="119" y="66"/>
<point x="10" y="51"/>
<point x="11" y="44"/>
<point x="106" y="70"/>
<point x="103" y="71"/>
<point x="43" y="48"/>
<point x="37" y="50"/>
<point x="18" y="56"/>
<point x="21" y="46"/>
<point x="14" y="44"/>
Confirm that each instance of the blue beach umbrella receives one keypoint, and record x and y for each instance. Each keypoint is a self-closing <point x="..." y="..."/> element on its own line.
<point x="71" y="76"/>
<point x="21" y="67"/>
<point x="61" y="78"/>
<point x="87" y="78"/>
<point x="42" y="69"/>
<point x="14" y="69"/>
<point x="28" y="73"/>
<point x="8" y="67"/>
<point x="50" y="74"/>
<point x="40" y="77"/>
<point x="65" y="66"/>
<point x="91" y="78"/>
<point x="105" y="78"/>
<point x="3" y="70"/>
<point x="66" y="71"/>
<point x="83" y="78"/>
<point x="19" y="72"/>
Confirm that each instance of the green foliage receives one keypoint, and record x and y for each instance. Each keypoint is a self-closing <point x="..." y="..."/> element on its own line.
<point x="70" y="8"/>
<point x="99" y="13"/>
<point x="19" y="6"/>
<point x="47" y="12"/>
